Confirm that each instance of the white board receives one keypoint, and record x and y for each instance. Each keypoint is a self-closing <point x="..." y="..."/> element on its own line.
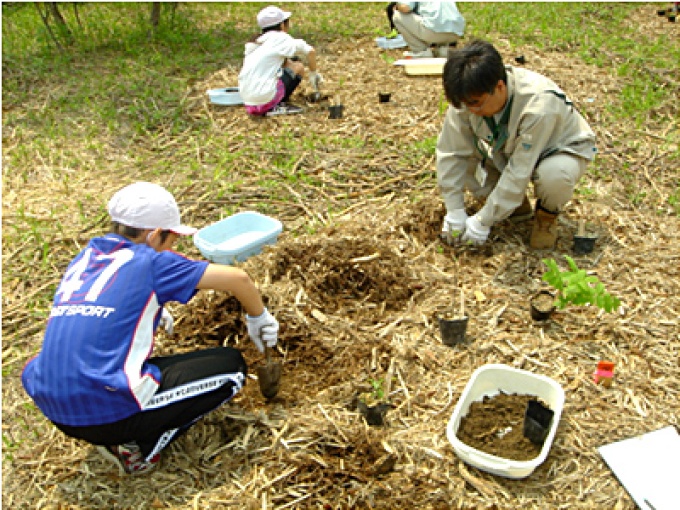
<point x="422" y="66"/>
<point x="648" y="466"/>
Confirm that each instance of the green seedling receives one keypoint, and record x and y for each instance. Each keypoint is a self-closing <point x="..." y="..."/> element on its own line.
<point x="378" y="390"/>
<point x="575" y="287"/>
<point x="387" y="58"/>
<point x="377" y="393"/>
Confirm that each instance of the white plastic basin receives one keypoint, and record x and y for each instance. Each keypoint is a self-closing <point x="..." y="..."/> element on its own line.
<point x="490" y="380"/>
<point x="238" y="237"/>
<point x="229" y="96"/>
<point x="390" y="44"/>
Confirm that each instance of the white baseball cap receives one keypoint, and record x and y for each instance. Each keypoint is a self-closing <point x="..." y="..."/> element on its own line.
<point x="147" y="205"/>
<point x="271" y="16"/>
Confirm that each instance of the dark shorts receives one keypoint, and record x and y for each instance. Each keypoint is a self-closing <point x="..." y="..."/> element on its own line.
<point x="290" y="82"/>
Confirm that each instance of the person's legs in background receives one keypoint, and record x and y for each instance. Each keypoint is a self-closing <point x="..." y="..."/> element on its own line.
<point x="420" y="39"/>
<point x="409" y="26"/>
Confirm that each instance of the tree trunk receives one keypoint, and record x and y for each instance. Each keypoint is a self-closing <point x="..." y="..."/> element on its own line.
<point x="43" y="17"/>
<point x="75" y="12"/>
<point x="155" y="15"/>
<point x="53" y="9"/>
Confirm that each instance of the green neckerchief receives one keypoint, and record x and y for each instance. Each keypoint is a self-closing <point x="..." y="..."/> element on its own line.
<point x="500" y="130"/>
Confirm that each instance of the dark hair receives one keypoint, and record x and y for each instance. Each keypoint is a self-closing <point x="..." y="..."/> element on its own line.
<point x="277" y="27"/>
<point x="472" y="70"/>
<point x="133" y="232"/>
<point x="272" y="28"/>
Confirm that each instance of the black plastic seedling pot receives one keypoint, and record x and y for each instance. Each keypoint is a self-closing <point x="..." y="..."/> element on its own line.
<point x="384" y="97"/>
<point x="374" y="415"/>
<point x="537" y="420"/>
<point x="583" y="243"/>
<point x="453" y="330"/>
<point x="335" y="111"/>
<point x="540" y="309"/>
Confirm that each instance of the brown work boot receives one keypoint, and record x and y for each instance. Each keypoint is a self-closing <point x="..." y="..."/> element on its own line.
<point x="544" y="231"/>
<point x="523" y="212"/>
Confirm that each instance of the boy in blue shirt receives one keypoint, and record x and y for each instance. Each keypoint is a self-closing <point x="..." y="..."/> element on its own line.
<point x="95" y="377"/>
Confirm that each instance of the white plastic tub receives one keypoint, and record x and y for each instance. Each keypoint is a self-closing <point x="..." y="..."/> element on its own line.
<point x="238" y="237"/>
<point x="225" y="97"/>
<point x="490" y="380"/>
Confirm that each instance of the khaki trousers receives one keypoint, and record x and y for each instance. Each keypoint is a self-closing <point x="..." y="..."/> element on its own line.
<point x="554" y="179"/>
<point x="417" y="36"/>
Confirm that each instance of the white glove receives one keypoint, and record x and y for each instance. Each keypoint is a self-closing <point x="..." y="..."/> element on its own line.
<point x="167" y="322"/>
<point x="315" y="79"/>
<point x="475" y="232"/>
<point x="454" y="224"/>
<point x="263" y="330"/>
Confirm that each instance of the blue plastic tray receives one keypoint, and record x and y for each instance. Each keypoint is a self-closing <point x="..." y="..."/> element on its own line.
<point x="391" y="44"/>
<point x="238" y="237"/>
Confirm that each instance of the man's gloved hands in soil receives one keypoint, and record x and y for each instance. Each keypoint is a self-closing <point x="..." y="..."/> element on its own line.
<point x="315" y="79"/>
<point x="454" y="225"/>
<point x="263" y="330"/>
<point x="475" y="232"/>
<point x="167" y="322"/>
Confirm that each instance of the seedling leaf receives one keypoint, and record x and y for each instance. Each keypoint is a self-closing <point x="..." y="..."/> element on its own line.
<point x="575" y="287"/>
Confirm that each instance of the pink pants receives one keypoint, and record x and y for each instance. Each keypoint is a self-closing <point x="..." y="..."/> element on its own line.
<point x="261" y="109"/>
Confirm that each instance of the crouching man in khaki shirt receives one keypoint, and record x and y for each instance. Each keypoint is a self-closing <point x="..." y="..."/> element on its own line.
<point x="507" y="127"/>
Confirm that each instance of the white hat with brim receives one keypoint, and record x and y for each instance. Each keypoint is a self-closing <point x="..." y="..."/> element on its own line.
<point x="147" y="206"/>
<point x="271" y="16"/>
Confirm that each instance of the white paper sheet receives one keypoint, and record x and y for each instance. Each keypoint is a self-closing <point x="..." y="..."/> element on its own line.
<point x="648" y="466"/>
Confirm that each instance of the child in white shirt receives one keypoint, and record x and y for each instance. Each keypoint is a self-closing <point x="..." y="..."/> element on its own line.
<point x="270" y="75"/>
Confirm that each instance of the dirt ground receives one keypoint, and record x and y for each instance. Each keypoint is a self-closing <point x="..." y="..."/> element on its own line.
<point x="495" y="425"/>
<point x="357" y="296"/>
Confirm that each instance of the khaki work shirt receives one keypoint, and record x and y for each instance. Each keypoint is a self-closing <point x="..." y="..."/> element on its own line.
<point x="541" y="122"/>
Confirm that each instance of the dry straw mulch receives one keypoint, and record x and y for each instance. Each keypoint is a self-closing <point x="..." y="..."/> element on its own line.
<point x="357" y="298"/>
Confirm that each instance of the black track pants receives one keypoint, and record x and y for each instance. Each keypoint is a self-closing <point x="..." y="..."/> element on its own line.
<point x="192" y="385"/>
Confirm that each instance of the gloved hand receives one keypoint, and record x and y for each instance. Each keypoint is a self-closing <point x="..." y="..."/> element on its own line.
<point x="167" y="322"/>
<point x="475" y="232"/>
<point x="263" y="330"/>
<point x="454" y="224"/>
<point x="315" y="79"/>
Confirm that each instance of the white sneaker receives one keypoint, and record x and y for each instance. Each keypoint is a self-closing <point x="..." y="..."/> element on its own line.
<point x="426" y="53"/>
<point x="284" y="109"/>
<point x="128" y="458"/>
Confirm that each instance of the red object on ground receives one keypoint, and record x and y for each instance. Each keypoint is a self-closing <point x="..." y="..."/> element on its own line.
<point x="604" y="373"/>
